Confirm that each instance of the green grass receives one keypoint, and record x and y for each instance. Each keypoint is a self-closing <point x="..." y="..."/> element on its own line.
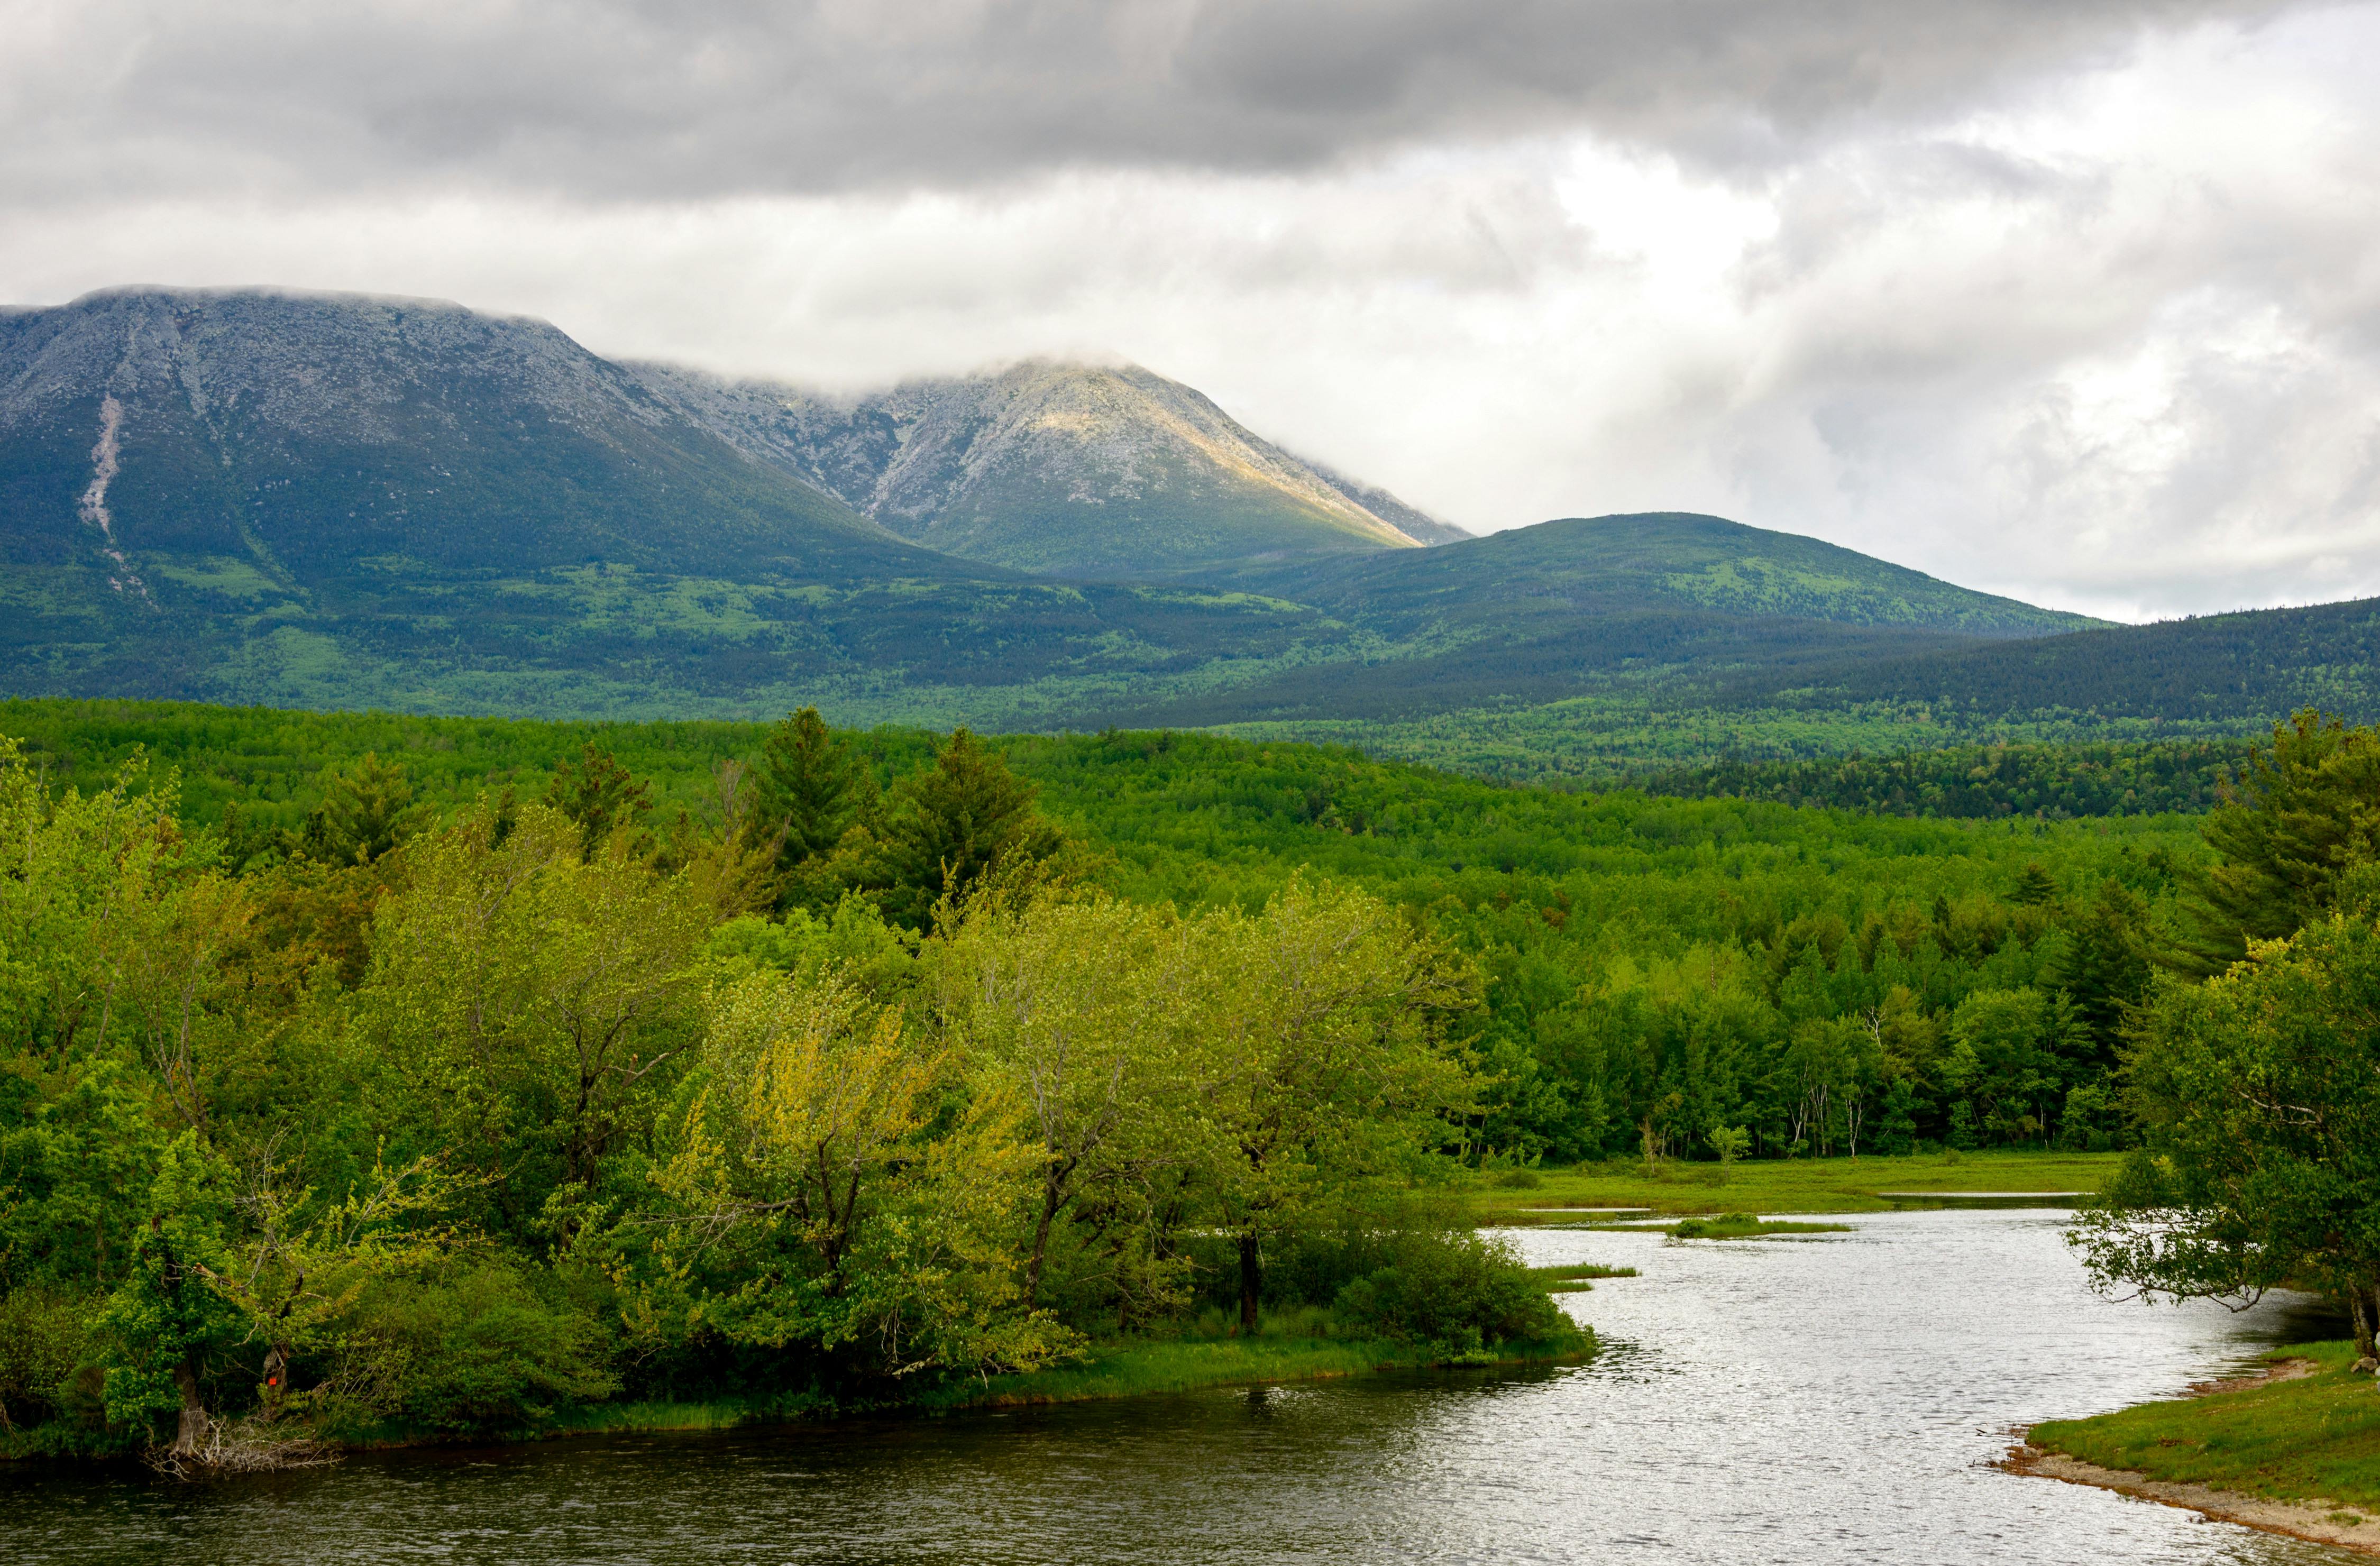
<point x="2313" y="1439"/>
<point x="1286" y="1350"/>
<point x="590" y="1420"/>
<point x="1576" y="1280"/>
<point x="1726" y="1226"/>
<point x="1747" y="1226"/>
<point x="1795" y="1186"/>
<point x="1181" y="1365"/>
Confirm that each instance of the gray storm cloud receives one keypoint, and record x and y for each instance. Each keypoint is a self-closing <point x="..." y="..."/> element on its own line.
<point x="642" y="99"/>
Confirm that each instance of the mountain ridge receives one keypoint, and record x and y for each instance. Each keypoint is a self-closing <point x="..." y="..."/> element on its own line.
<point x="321" y="500"/>
<point x="1048" y="466"/>
<point x="1630" y="559"/>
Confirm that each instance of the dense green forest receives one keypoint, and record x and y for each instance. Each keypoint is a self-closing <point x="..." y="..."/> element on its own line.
<point x="468" y="1069"/>
<point x="409" y="1121"/>
<point x="2248" y="665"/>
<point x="1980" y="782"/>
<point x="1590" y="915"/>
<point x="1652" y="702"/>
<point x="1629" y="736"/>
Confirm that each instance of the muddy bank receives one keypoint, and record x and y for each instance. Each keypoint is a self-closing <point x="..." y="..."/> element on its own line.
<point x="2319" y="1521"/>
<point x="2300" y="1520"/>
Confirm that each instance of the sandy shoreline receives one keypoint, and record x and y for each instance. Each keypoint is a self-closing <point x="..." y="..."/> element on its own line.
<point x="2315" y="1521"/>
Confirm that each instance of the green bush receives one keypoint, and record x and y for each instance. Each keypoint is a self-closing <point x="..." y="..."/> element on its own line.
<point x="478" y="1346"/>
<point x="1454" y="1289"/>
<point x="44" y="1337"/>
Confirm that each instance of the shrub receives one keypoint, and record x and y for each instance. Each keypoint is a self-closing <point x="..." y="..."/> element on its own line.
<point x="475" y="1347"/>
<point x="44" y="1337"/>
<point x="1454" y="1289"/>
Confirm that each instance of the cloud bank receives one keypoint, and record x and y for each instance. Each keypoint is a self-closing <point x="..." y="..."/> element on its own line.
<point x="643" y="99"/>
<point x="2073" y="301"/>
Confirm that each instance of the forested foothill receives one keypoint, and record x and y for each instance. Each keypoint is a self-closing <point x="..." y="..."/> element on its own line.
<point x="380" y="1078"/>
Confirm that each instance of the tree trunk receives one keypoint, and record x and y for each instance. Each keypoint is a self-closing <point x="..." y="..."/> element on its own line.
<point x="194" y="1413"/>
<point x="2360" y="1304"/>
<point x="276" y="1380"/>
<point x="1050" y="1195"/>
<point x="1251" y="1282"/>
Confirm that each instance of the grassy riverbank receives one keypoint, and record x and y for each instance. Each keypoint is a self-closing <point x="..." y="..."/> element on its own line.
<point x="1577" y="1279"/>
<point x="2313" y="1439"/>
<point x="1284" y="1349"/>
<point x="1797" y="1185"/>
<point x="1187" y="1365"/>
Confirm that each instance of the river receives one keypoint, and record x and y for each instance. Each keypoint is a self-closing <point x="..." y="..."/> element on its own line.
<point x="1826" y="1400"/>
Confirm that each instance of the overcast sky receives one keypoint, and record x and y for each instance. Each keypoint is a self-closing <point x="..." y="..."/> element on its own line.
<point x="2077" y="300"/>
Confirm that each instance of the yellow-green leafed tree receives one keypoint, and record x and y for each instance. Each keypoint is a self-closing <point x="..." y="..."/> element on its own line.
<point x="301" y="1262"/>
<point x="1324" y="1070"/>
<point x="836" y="1185"/>
<point x="531" y="1001"/>
<point x="112" y="930"/>
<point x="1086" y="1010"/>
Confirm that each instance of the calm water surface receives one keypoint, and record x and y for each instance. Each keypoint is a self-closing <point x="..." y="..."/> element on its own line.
<point x="1831" y="1400"/>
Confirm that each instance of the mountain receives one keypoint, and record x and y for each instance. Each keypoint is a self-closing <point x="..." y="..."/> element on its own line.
<point x="262" y="437"/>
<point x="1546" y="613"/>
<point x="256" y="495"/>
<point x="1558" y="572"/>
<point x="1410" y="520"/>
<point x="2255" y="665"/>
<point x="336" y="501"/>
<point x="1061" y="469"/>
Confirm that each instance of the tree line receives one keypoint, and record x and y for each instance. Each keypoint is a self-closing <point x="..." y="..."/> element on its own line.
<point x="1985" y="781"/>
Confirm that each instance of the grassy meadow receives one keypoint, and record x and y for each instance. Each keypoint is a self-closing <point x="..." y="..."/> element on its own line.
<point x="1789" y="1185"/>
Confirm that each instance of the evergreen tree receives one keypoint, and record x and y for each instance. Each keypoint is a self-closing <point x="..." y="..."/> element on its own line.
<point x="810" y="789"/>
<point x="2103" y="967"/>
<point x="367" y="811"/>
<point x="2034" y="887"/>
<point x="2300" y="819"/>
<point x="953" y="824"/>
<point x="600" y="796"/>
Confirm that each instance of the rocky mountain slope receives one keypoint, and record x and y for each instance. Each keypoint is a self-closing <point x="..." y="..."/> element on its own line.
<point x="336" y="499"/>
<point x="1061" y="469"/>
<point x="271" y="434"/>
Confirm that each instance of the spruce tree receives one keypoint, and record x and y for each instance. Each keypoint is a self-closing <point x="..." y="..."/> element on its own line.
<point x="2297" y="821"/>
<point x="604" y="797"/>
<point x="953" y="823"/>
<point x="811" y="788"/>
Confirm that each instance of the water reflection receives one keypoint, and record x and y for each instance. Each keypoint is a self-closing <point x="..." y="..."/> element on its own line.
<point x="1823" y="1401"/>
